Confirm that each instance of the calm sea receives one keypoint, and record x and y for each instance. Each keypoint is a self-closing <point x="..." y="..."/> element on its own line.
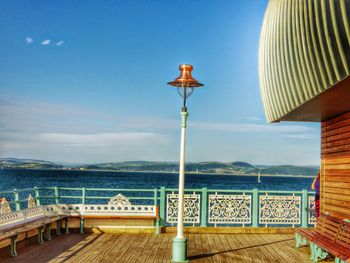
<point x="10" y="179"/>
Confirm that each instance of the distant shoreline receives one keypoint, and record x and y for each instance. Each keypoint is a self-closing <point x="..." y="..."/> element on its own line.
<point x="165" y="172"/>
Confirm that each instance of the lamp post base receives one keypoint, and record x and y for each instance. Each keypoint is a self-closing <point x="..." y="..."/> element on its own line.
<point x="179" y="250"/>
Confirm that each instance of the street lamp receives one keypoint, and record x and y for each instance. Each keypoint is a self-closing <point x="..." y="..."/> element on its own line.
<point x="185" y="84"/>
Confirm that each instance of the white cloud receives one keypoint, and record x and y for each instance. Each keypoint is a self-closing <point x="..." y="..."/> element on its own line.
<point x="60" y="43"/>
<point x="301" y="136"/>
<point x="158" y="123"/>
<point x="102" y="139"/>
<point x="29" y="40"/>
<point x="94" y="147"/>
<point x="244" y="127"/>
<point x="46" y="42"/>
<point x="254" y="119"/>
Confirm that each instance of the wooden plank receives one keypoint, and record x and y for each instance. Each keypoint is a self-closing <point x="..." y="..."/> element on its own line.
<point x="168" y="252"/>
<point x="340" y="185"/>
<point x="335" y="120"/>
<point x="91" y="250"/>
<point x="280" y="248"/>
<point x="198" y="248"/>
<point x="224" y="248"/>
<point x="134" y="257"/>
<point x="213" y="248"/>
<point x="269" y="240"/>
<point x="337" y="137"/>
<point x="264" y="248"/>
<point x="332" y="132"/>
<point x="336" y="125"/>
<point x="339" y="154"/>
<point x="336" y="196"/>
<point x="234" y="254"/>
<point x="344" y="159"/>
<point x="118" y="252"/>
<point x="332" y="208"/>
<point x="167" y="240"/>
<point x="338" y="215"/>
<point x="134" y="247"/>
<point x="330" y="173"/>
<point x="154" y="251"/>
<point x="336" y="149"/>
<point x="332" y="190"/>
<point x="240" y="247"/>
<point x="146" y="249"/>
<point x="343" y="166"/>
<point x="326" y="145"/>
<point x="205" y="247"/>
<point x="220" y="256"/>
<point x="338" y="203"/>
<point x="78" y="246"/>
<point x="107" y="248"/>
<point x="338" y="178"/>
<point x="117" y="248"/>
<point x="255" y="249"/>
<point x="191" y="246"/>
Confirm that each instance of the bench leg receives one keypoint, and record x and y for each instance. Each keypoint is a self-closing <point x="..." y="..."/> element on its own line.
<point x="40" y="235"/>
<point x="66" y="225"/>
<point x="157" y="227"/>
<point x="13" y="246"/>
<point x="299" y="240"/>
<point x="48" y="231"/>
<point x="58" y="227"/>
<point x="82" y="225"/>
<point x="338" y="260"/>
<point x="317" y="252"/>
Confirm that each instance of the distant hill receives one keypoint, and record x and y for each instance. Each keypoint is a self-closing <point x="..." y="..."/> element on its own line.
<point x="290" y="169"/>
<point x="27" y="164"/>
<point x="203" y="167"/>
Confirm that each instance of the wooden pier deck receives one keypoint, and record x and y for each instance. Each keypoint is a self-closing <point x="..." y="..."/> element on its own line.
<point x="127" y="247"/>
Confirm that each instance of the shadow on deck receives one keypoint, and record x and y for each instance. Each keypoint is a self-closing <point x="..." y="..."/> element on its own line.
<point x="157" y="248"/>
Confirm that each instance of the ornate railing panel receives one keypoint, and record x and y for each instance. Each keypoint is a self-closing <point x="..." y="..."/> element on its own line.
<point x="279" y="209"/>
<point x="229" y="209"/>
<point x="202" y="206"/>
<point x="311" y="215"/>
<point x="191" y="208"/>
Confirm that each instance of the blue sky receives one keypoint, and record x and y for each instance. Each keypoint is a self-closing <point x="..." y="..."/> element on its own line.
<point x="85" y="81"/>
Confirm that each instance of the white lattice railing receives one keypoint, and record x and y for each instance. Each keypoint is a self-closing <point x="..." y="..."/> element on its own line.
<point x="203" y="207"/>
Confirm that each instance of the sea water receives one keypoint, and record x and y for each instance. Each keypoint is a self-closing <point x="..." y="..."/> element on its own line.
<point x="22" y="178"/>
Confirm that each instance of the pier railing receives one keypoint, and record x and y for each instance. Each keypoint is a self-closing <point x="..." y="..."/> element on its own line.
<point x="203" y="207"/>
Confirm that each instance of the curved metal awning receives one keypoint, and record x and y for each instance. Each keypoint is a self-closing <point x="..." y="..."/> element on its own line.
<point x="304" y="59"/>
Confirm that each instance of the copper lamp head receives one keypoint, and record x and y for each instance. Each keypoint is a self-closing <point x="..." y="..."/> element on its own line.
<point x="185" y="79"/>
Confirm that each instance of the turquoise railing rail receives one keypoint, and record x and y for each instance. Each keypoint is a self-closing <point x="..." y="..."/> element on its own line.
<point x="203" y="207"/>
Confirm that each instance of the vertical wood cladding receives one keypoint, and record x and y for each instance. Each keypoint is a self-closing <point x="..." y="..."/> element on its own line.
<point x="335" y="166"/>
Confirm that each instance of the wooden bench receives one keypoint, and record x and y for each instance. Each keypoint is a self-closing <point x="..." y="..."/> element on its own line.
<point x="331" y="236"/>
<point x="37" y="218"/>
<point x="119" y="207"/>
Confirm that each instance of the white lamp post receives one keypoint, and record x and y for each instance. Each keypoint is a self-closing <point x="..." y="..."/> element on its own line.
<point x="185" y="84"/>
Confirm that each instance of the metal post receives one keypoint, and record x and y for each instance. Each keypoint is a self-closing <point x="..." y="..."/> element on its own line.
<point x="162" y="206"/>
<point x="155" y="202"/>
<point x="180" y="242"/>
<point x="255" y="213"/>
<point x="18" y="205"/>
<point x="37" y="196"/>
<point x="56" y="195"/>
<point x="204" y="206"/>
<point x="155" y="196"/>
<point x="304" y="211"/>
<point x="83" y="198"/>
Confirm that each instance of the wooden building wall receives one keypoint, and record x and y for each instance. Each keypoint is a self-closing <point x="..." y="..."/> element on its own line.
<point x="335" y="166"/>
